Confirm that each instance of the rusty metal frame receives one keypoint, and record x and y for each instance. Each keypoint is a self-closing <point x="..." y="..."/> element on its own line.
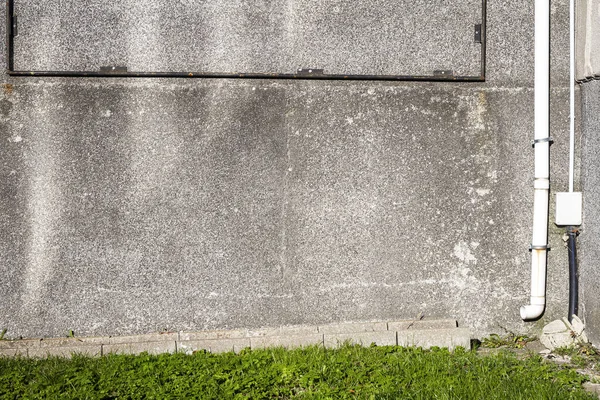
<point x="438" y="76"/>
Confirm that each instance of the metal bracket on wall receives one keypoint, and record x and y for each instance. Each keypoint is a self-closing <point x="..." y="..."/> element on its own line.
<point x="10" y="35"/>
<point x="542" y="140"/>
<point x="314" y="74"/>
<point x="447" y="73"/>
<point x="540" y="247"/>
<point x="478" y="37"/>
<point x="12" y="26"/>
<point x="114" y="70"/>
<point x="311" y="71"/>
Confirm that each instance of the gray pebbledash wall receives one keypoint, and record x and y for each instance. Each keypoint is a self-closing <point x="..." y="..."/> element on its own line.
<point x="138" y="205"/>
<point x="588" y="69"/>
<point x="588" y="39"/>
<point x="589" y="257"/>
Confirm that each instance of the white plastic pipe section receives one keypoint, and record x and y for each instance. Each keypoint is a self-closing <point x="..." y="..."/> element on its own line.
<point x="571" y="94"/>
<point x="539" y="247"/>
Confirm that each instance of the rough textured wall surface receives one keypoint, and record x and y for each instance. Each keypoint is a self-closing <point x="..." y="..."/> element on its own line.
<point x="589" y="256"/>
<point x="386" y="37"/>
<point x="587" y="39"/>
<point x="137" y="205"/>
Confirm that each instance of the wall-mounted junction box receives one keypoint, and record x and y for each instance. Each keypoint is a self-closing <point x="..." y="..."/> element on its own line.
<point x="569" y="208"/>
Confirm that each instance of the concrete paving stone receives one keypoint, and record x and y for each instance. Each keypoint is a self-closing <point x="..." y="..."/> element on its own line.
<point x="67" y="351"/>
<point x="19" y="344"/>
<point x="14" y="352"/>
<point x="140" y="347"/>
<point x="210" y="335"/>
<point x="261" y="342"/>
<point x="72" y="342"/>
<point x="245" y="333"/>
<point x="351" y="327"/>
<point x="385" y="338"/>
<point x="556" y="326"/>
<point x="422" y="324"/>
<point x="425" y="338"/>
<point x="152" y="337"/>
<point x="577" y="325"/>
<point x="555" y="340"/>
<point x="213" y="345"/>
<point x="292" y="330"/>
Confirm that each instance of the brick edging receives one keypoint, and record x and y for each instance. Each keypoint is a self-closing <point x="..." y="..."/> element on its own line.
<point x="420" y="333"/>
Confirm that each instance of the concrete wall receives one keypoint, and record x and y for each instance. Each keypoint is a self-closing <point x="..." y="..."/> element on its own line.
<point x="384" y="37"/>
<point x="589" y="255"/>
<point x="587" y="39"/>
<point x="137" y="205"/>
<point x="587" y="69"/>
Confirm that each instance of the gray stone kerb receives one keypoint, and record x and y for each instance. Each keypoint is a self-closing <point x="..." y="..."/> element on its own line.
<point x="417" y="333"/>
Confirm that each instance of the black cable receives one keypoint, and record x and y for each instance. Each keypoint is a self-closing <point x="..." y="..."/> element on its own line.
<point x="572" y="232"/>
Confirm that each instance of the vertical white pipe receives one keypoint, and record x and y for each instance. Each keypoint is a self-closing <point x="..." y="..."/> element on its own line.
<point x="572" y="94"/>
<point x="542" y="162"/>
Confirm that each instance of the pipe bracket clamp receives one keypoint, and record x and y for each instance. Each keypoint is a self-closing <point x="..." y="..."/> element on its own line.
<point x="541" y="184"/>
<point x="542" y="140"/>
<point x="542" y="247"/>
<point x="573" y="231"/>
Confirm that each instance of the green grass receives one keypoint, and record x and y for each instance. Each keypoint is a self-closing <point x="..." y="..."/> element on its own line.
<point x="511" y="340"/>
<point x="311" y="373"/>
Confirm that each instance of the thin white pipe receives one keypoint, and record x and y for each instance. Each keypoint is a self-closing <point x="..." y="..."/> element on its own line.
<point x="542" y="162"/>
<point x="572" y="95"/>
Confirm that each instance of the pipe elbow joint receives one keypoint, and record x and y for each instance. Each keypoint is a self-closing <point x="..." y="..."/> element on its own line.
<point x="532" y="311"/>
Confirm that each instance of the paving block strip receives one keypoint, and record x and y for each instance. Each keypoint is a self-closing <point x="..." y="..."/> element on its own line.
<point x="140" y="347"/>
<point x="19" y="344"/>
<point x="427" y="338"/>
<point x="419" y="333"/>
<point x="213" y="345"/>
<point x="148" y="338"/>
<point x="422" y="324"/>
<point x="13" y="352"/>
<point x="289" y="342"/>
<point x="213" y="335"/>
<point x="65" y="351"/>
<point x="62" y="347"/>
<point x="300" y="330"/>
<point x="353" y="327"/>
<point x="383" y="338"/>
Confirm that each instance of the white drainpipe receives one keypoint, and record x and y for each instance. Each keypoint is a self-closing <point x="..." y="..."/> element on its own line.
<point x="539" y="247"/>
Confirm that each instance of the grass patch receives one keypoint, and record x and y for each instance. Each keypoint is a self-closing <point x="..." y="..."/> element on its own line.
<point x="387" y="372"/>
<point x="511" y="340"/>
<point x="585" y="349"/>
<point x="581" y="355"/>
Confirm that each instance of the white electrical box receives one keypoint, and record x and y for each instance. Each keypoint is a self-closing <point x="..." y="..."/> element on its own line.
<point x="569" y="207"/>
